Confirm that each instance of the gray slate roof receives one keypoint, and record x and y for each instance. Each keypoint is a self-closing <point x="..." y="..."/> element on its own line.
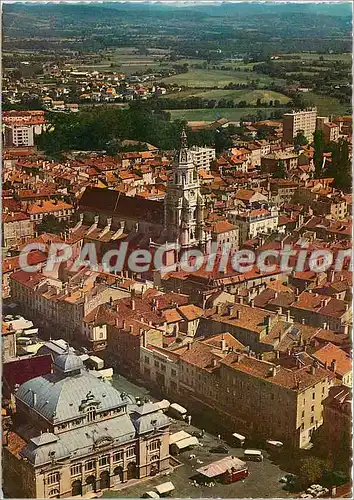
<point x="78" y="442"/>
<point x="147" y="418"/>
<point x="68" y="362"/>
<point x="44" y="449"/>
<point x="58" y="398"/>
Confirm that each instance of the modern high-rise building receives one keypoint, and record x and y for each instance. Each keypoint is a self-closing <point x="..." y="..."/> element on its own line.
<point x="202" y="157"/>
<point x="299" y="121"/>
<point x="21" y="127"/>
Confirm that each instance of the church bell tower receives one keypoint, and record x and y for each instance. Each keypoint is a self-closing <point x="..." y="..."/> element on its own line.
<point x="184" y="204"/>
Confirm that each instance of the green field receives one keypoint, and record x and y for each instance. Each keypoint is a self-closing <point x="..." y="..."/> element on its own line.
<point x="327" y="105"/>
<point x="308" y="56"/>
<point x="250" y="96"/>
<point x="206" y="78"/>
<point x="209" y="83"/>
<point x="126" y="60"/>
<point x="209" y="115"/>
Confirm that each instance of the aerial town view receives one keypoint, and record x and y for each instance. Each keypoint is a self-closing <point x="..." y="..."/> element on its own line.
<point x="177" y="250"/>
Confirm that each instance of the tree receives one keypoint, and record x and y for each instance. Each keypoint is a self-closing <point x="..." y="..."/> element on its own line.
<point x="50" y="224"/>
<point x="262" y="132"/>
<point x="222" y="140"/>
<point x="300" y="139"/>
<point x="319" y="145"/>
<point x="280" y="171"/>
<point x="341" y="165"/>
<point x="312" y="469"/>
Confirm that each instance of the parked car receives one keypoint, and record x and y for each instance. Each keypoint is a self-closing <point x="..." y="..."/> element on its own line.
<point x="317" y="490"/>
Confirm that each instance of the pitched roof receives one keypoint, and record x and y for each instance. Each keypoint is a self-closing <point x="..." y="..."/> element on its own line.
<point x="329" y="353"/>
<point x="222" y="226"/>
<point x="114" y="202"/>
<point x="296" y="380"/>
<point x="199" y="354"/>
<point x="190" y="312"/>
<point x="321" y="304"/>
<point x="14" y="217"/>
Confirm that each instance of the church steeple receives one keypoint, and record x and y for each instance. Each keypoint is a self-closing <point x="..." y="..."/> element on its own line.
<point x="184" y="142"/>
<point x="184" y="153"/>
<point x="184" y="205"/>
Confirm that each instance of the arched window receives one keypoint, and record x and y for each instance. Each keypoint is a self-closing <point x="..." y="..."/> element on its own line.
<point x="54" y="493"/>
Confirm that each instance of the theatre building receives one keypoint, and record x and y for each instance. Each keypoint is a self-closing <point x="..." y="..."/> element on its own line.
<point x="74" y="434"/>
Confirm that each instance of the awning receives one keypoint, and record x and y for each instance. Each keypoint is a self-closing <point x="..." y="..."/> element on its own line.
<point x="165" y="488"/>
<point x="221" y="466"/>
<point x="185" y="443"/>
<point x="178" y="436"/>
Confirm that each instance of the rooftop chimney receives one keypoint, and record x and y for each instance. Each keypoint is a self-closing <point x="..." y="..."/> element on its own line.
<point x="333" y="366"/>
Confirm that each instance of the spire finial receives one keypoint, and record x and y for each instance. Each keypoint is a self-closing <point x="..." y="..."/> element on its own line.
<point x="184" y="144"/>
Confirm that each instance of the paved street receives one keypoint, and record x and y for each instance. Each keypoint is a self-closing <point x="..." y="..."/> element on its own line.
<point x="263" y="480"/>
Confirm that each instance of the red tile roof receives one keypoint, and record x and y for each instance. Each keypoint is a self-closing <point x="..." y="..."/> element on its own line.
<point x="12" y="263"/>
<point x="14" y="217"/>
<point x="222" y="226"/>
<point x="330" y="353"/>
<point x="321" y="304"/>
<point x="296" y="380"/>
